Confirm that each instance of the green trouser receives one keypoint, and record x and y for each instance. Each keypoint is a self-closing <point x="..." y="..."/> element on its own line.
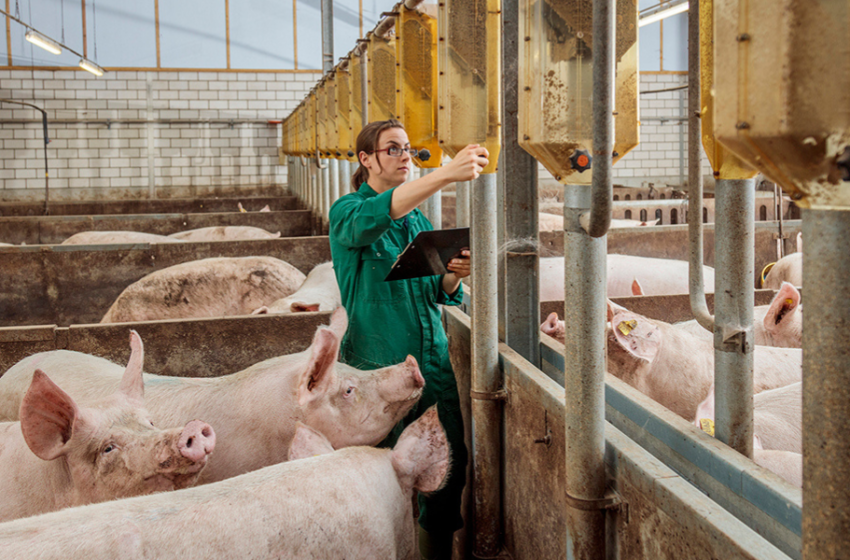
<point x="439" y="512"/>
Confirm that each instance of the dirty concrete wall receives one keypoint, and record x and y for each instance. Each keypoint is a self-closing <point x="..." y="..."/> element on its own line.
<point x="159" y="206"/>
<point x="35" y="230"/>
<point x="666" y="517"/>
<point x="76" y="284"/>
<point x="184" y="348"/>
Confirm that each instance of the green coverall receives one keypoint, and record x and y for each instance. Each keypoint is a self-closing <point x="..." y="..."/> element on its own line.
<point x="390" y="320"/>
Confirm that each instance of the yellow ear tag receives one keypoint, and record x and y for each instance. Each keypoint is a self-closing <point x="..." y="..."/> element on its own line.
<point x="626" y="327"/>
<point x="789" y="302"/>
<point x="707" y="426"/>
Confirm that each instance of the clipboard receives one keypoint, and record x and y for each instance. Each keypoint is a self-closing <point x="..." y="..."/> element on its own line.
<point x="428" y="253"/>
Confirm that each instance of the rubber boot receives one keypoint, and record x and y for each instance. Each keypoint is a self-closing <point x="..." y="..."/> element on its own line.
<point x="435" y="546"/>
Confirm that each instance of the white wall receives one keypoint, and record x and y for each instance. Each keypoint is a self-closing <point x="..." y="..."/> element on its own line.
<point x="92" y="160"/>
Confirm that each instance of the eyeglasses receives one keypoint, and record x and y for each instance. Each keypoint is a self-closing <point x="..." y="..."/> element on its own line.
<point x="395" y="151"/>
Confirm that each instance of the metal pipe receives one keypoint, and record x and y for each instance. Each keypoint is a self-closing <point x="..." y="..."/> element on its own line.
<point x="326" y="191"/>
<point x="434" y="204"/>
<point x="335" y="184"/>
<point x="46" y="142"/>
<point x="604" y="21"/>
<point x="734" y="263"/>
<point x="826" y="386"/>
<point x="585" y="273"/>
<point x="462" y="203"/>
<point x="364" y="83"/>
<point x="778" y="207"/>
<point x="344" y="177"/>
<point x="327" y="36"/>
<point x="486" y="375"/>
<point x="519" y="170"/>
<point x="696" y="290"/>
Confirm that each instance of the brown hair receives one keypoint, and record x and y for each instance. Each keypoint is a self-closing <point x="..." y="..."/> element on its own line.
<point x="367" y="141"/>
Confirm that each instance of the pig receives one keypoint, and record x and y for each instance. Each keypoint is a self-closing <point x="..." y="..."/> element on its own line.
<point x="625" y="273"/>
<point x="353" y="503"/>
<point x="224" y="233"/>
<point x="254" y="411"/>
<point x="779" y="324"/>
<point x="106" y="237"/>
<point x="788" y="269"/>
<point x="263" y="209"/>
<point x="319" y="292"/>
<point x="215" y="287"/>
<point x="787" y="464"/>
<point x="61" y="454"/>
<point x="777" y="417"/>
<point x="676" y="369"/>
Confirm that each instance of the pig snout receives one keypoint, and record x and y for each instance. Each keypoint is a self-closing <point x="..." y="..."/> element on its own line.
<point x="196" y="441"/>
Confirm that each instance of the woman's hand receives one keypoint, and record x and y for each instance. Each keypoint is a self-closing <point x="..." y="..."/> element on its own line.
<point x="460" y="266"/>
<point x="467" y="164"/>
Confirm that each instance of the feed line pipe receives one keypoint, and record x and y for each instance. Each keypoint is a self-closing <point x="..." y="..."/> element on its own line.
<point x="734" y="250"/>
<point x="826" y="389"/>
<point x="519" y="169"/>
<point x="327" y="36"/>
<point x="335" y="183"/>
<point x="696" y="279"/>
<point x="585" y="274"/>
<point x="46" y="142"/>
<point x="487" y="382"/>
<point x="462" y="203"/>
<point x="434" y="204"/>
<point x="326" y="191"/>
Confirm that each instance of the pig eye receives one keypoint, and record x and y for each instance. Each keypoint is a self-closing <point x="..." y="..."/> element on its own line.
<point x="109" y="448"/>
<point x="349" y="391"/>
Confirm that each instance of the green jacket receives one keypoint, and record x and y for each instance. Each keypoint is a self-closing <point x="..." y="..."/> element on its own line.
<point x="387" y="320"/>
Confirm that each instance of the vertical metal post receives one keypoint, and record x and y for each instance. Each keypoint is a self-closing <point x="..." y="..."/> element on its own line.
<point x="364" y="83"/>
<point x="486" y="375"/>
<point x="434" y="205"/>
<point x="327" y="36"/>
<point x="826" y="385"/>
<point x="696" y="291"/>
<point x="682" y="123"/>
<point x="344" y="177"/>
<point x="733" y="308"/>
<point x="326" y="191"/>
<point x="519" y="170"/>
<point x="334" y="173"/>
<point x="462" y="203"/>
<point x="585" y="279"/>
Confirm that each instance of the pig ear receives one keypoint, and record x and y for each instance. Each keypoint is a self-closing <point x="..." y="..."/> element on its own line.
<point x="550" y="323"/>
<point x="263" y="310"/>
<point x="132" y="383"/>
<point x="421" y="456"/>
<point x="637" y="289"/>
<point x="303" y="307"/>
<point x="47" y="417"/>
<point x="637" y="335"/>
<point x="308" y="443"/>
<point x="319" y="373"/>
<point x="787" y="301"/>
<point x="613" y="309"/>
<point x="339" y="322"/>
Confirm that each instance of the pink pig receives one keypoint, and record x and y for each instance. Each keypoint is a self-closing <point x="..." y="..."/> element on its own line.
<point x="255" y="411"/>
<point x="61" y="454"/>
<point x="354" y="503"/>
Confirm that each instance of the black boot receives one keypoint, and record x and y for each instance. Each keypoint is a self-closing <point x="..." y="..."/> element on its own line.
<point x="435" y="546"/>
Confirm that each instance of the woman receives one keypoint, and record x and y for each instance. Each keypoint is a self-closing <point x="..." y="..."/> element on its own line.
<point x="390" y="320"/>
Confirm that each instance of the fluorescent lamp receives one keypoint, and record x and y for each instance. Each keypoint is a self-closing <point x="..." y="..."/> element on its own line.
<point x="663" y="14"/>
<point x="90" y="66"/>
<point x="44" y="42"/>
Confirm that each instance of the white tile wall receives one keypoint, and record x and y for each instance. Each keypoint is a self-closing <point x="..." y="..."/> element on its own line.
<point x="88" y="158"/>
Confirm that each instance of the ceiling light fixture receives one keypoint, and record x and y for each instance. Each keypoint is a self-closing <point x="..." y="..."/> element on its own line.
<point x="41" y="41"/>
<point x="663" y="14"/>
<point x="90" y="66"/>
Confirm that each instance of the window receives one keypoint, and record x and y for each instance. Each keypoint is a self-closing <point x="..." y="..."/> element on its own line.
<point x="643" y="215"/>
<point x="763" y="213"/>
<point x="659" y="216"/>
<point x="628" y="214"/>
<point x="674" y="216"/>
